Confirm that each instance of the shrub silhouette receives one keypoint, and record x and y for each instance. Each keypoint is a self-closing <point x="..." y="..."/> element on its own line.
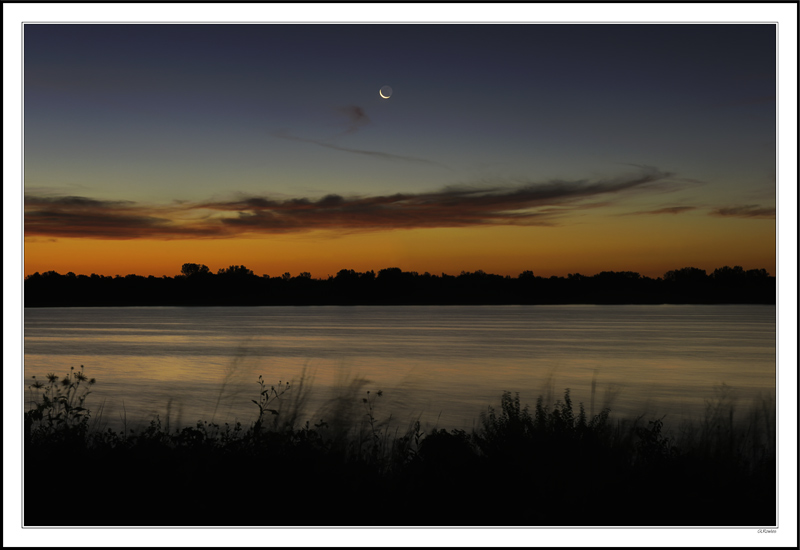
<point x="560" y="466"/>
<point x="58" y="415"/>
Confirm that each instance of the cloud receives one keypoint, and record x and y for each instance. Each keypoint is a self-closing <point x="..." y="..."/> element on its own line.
<point x="453" y="206"/>
<point x="666" y="210"/>
<point x="283" y="134"/>
<point x="82" y="217"/>
<point x="72" y="201"/>
<point x="667" y="185"/>
<point x="748" y="211"/>
<point x="358" y="118"/>
<point x="481" y="204"/>
<point x="84" y="224"/>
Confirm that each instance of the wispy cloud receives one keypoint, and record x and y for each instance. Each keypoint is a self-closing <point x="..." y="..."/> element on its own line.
<point x="283" y="134"/>
<point x="483" y="204"/>
<point x="666" y="210"/>
<point x="357" y="118"/>
<point x="747" y="211"/>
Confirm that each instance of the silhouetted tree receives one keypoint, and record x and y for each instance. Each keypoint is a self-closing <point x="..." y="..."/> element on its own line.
<point x="686" y="275"/>
<point x="237" y="285"/>
<point x="236" y="271"/>
<point x="729" y="275"/>
<point x="756" y="275"/>
<point x="390" y="273"/>
<point x="189" y="270"/>
<point x="346" y="275"/>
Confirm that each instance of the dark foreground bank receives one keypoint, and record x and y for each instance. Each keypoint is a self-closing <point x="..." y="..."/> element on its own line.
<point x="554" y="465"/>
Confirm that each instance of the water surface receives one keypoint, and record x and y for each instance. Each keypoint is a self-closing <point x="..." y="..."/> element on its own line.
<point x="443" y="365"/>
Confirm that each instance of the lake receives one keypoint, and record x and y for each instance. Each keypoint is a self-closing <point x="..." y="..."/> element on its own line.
<point x="441" y="365"/>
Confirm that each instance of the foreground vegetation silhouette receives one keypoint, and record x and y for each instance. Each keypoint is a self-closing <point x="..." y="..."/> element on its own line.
<point x="554" y="465"/>
<point x="238" y="285"/>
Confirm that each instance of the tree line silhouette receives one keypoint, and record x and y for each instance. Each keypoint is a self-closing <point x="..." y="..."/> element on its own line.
<point x="237" y="285"/>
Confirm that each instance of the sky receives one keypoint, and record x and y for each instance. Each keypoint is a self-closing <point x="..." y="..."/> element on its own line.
<point x="555" y="148"/>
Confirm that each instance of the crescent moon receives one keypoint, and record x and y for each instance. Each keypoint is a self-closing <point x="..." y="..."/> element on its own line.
<point x="380" y="93"/>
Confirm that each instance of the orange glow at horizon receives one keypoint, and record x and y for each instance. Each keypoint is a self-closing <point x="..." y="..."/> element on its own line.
<point x="610" y="244"/>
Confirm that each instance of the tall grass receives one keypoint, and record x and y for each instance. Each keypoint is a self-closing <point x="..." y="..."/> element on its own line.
<point x="554" y="464"/>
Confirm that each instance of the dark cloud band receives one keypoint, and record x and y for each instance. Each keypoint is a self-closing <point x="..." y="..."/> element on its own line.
<point x="454" y="206"/>
<point x="666" y="210"/>
<point x="748" y="211"/>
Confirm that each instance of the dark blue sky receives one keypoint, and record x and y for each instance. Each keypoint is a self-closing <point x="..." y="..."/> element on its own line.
<point x="568" y="99"/>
